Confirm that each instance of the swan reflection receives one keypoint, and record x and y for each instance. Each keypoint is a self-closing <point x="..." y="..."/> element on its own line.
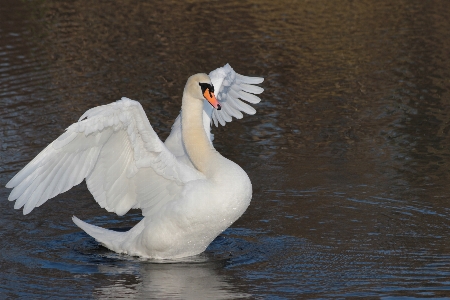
<point x="185" y="280"/>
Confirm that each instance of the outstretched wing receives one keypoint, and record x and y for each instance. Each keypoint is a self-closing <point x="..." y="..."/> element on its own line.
<point x="115" y="148"/>
<point x="232" y="89"/>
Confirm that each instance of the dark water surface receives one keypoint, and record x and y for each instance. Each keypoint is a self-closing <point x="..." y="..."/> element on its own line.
<point x="348" y="153"/>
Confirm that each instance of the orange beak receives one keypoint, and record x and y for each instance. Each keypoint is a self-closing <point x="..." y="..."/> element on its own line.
<point x="211" y="99"/>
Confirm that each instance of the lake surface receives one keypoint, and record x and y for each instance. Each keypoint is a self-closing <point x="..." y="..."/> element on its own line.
<point x="349" y="152"/>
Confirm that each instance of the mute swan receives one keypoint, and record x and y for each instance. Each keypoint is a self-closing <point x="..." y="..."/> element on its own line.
<point x="187" y="191"/>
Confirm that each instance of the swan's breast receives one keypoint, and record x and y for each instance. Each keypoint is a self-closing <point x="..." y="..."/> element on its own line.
<point x="235" y="187"/>
<point x="204" y="210"/>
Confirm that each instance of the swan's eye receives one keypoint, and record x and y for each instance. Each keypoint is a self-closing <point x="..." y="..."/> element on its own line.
<point x="206" y="86"/>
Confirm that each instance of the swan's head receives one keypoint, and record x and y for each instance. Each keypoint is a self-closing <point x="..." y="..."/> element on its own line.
<point x="199" y="86"/>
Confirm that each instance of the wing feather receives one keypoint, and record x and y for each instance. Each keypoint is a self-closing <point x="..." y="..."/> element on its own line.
<point x="249" y="97"/>
<point x="51" y="182"/>
<point x="249" y="80"/>
<point x="251" y="88"/>
<point x="31" y="185"/>
<point x="38" y="188"/>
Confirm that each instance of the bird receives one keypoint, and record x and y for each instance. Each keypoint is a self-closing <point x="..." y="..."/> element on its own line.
<point x="187" y="191"/>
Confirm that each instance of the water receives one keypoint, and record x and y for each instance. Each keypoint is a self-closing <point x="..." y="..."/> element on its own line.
<point x="348" y="153"/>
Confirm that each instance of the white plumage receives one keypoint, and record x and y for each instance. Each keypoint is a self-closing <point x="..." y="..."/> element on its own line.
<point x="178" y="184"/>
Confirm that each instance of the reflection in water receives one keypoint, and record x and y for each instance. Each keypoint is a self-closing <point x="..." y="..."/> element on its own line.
<point x="348" y="152"/>
<point x="169" y="281"/>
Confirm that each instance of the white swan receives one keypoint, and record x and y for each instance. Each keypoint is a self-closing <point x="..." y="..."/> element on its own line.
<point x="187" y="191"/>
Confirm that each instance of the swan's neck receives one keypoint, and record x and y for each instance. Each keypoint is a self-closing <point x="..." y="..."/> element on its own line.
<point x="199" y="148"/>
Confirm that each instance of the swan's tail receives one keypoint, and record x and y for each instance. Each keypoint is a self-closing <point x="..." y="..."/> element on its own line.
<point x="112" y="240"/>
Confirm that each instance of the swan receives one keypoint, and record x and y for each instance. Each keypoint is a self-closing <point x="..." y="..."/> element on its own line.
<point x="187" y="191"/>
